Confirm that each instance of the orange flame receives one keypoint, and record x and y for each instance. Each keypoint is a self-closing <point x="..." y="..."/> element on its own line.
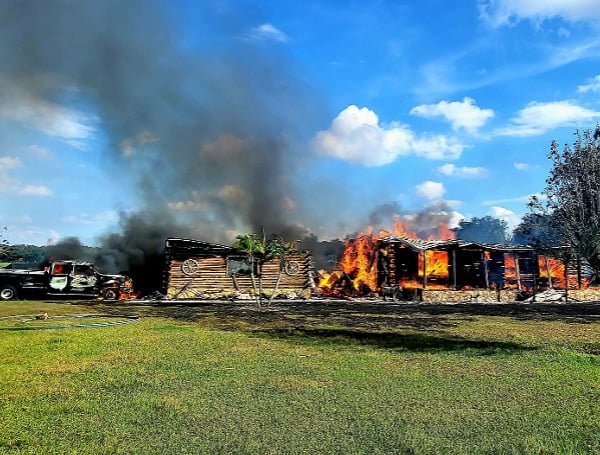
<point x="555" y="270"/>
<point x="359" y="260"/>
<point x="358" y="268"/>
<point x="437" y="264"/>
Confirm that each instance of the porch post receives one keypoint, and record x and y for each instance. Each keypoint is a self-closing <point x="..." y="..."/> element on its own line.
<point x="424" y="269"/>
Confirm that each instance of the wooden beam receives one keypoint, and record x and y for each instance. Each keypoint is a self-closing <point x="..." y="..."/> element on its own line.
<point x="550" y="285"/>
<point x="454" y="284"/>
<point x="517" y="271"/>
<point x="485" y="270"/>
<point x="425" y="269"/>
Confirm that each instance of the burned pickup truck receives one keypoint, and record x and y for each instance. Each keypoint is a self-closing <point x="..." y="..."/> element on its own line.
<point x="64" y="278"/>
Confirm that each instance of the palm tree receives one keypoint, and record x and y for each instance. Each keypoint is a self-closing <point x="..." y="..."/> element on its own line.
<point x="254" y="247"/>
<point x="260" y="250"/>
<point x="276" y="247"/>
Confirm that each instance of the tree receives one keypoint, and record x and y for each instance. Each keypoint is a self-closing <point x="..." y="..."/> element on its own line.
<point x="27" y="254"/>
<point x="483" y="230"/>
<point x="571" y="198"/>
<point x="3" y="244"/>
<point x="536" y="230"/>
<point x="260" y="250"/>
<point x="254" y="247"/>
<point x="277" y="248"/>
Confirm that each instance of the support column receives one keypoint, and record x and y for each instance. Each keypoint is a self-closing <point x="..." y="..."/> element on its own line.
<point x="425" y="269"/>
<point x="485" y="270"/>
<point x="517" y="271"/>
<point x="550" y="285"/>
<point x="454" y="284"/>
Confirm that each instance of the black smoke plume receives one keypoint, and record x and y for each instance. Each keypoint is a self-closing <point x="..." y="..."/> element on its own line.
<point x="204" y="125"/>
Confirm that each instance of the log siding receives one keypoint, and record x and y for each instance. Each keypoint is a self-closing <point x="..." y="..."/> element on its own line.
<point x="208" y="276"/>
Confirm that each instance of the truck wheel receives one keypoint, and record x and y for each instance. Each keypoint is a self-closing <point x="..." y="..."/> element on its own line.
<point x="8" y="292"/>
<point x="110" y="294"/>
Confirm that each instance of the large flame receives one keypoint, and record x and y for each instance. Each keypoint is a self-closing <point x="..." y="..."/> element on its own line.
<point x="357" y="270"/>
<point x="436" y="262"/>
<point x="553" y="270"/>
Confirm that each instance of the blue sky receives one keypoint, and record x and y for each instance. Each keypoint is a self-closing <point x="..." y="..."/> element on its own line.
<point x="414" y="104"/>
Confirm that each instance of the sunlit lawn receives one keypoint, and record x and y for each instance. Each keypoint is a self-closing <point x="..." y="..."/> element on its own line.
<point x="212" y="383"/>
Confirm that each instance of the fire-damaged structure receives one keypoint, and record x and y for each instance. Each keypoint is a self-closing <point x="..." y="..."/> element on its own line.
<point x="202" y="270"/>
<point x="411" y="267"/>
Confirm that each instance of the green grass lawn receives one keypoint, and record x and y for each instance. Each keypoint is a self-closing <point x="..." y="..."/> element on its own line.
<point x="354" y="380"/>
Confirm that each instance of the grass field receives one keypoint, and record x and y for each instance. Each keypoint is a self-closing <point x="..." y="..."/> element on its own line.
<point x="309" y="378"/>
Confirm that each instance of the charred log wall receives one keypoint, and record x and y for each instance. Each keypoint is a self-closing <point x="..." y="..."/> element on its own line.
<point x="404" y="264"/>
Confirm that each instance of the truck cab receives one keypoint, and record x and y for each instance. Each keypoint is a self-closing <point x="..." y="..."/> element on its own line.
<point x="66" y="278"/>
<point x="82" y="278"/>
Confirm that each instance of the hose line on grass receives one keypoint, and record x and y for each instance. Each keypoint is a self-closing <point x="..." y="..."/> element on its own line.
<point x="122" y="319"/>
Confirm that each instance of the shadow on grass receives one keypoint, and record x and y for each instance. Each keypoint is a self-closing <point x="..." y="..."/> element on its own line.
<point x="289" y="316"/>
<point x="415" y="342"/>
<point x="357" y="317"/>
<point x="576" y="312"/>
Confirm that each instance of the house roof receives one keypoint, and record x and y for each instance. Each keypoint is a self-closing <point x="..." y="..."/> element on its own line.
<point x="198" y="247"/>
<point x="422" y="245"/>
<point x="179" y="246"/>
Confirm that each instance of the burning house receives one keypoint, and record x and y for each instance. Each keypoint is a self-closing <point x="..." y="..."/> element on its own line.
<point x="447" y="270"/>
<point x="419" y="265"/>
<point x="202" y="270"/>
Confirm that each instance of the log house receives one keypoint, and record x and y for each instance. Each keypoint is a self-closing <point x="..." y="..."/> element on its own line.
<point x="202" y="270"/>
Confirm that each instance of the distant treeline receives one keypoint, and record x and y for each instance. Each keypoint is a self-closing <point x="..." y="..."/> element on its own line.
<point x="32" y="256"/>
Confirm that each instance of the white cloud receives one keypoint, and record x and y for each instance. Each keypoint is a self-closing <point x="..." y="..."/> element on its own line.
<point x="511" y="218"/>
<point x="14" y="186"/>
<point x="53" y="237"/>
<point x="35" y="190"/>
<point x="508" y="12"/>
<point x="268" y="32"/>
<point x="9" y="162"/>
<point x="356" y="135"/>
<point x="538" y="118"/>
<point x="20" y="219"/>
<point x="455" y="219"/>
<point x="523" y="199"/>
<point x="438" y="147"/>
<point x="564" y="32"/>
<point x="9" y="185"/>
<point x="430" y="190"/>
<point x="461" y="114"/>
<point x="50" y="118"/>
<point x="522" y="166"/>
<point x="463" y="171"/>
<point x="39" y="151"/>
<point x="453" y="202"/>
<point x="446" y="75"/>
<point x="109" y="216"/>
<point x="592" y="86"/>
